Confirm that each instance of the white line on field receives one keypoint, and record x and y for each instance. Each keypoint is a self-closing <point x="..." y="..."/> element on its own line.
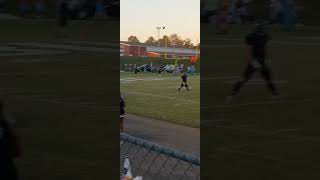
<point x="260" y="103"/>
<point x="256" y="82"/>
<point x="162" y="97"/>
<point x="173" y="87"/>
<point x="220" y="78"/>
<point x="55" y="101"/>
<point x="279" y="42"/>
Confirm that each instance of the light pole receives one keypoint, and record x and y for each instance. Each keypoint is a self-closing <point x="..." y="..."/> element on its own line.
<point x="158" y="28"/>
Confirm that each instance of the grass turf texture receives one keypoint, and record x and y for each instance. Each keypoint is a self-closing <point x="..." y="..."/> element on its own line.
<point x="156" y="97"/>
<point x="277" y="141"/>
<point x="63" y="105"/>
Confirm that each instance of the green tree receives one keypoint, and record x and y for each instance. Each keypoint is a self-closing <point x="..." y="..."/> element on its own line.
<point x="165" y="40"/>
<point x="133" y="39"/>
<point x="176" y="40"/>
<point x="151" y="41"/>
<point x="187" y="43"/>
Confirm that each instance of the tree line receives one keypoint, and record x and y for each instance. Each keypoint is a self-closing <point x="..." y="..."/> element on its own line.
<point x="174" y="40"/>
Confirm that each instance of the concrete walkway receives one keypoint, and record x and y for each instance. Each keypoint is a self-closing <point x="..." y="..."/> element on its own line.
<point x="183" y="138"/>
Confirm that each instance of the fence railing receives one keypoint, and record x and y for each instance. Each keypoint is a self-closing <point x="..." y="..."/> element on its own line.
<point x="156" y="162"/>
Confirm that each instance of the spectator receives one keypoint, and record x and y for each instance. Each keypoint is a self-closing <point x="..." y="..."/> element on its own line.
<point x="242" y="11"/>
<point x="74" y="8"/>
<point x="289" y="14"/>
<point x="24" y="7"/>
<point x="207" y="10"/>
<point x="90" y="8"/>
<point x="122" y="112"/>
<point x="40" y="8"/>
<point x="9" y="147"/>
<point x="100" y="10"/>
<point x="189" y="70"/>
<point x="3" y="5"/>
<point x="222" y="20"/>
<point x="275" y="11"/>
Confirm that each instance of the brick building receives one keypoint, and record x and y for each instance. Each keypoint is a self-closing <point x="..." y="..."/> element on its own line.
<point x="132" y="50"/>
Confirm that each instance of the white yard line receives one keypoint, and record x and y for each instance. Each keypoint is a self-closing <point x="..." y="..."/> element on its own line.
<point x="66" y="47"/>
<point x="57" y="101"/>
<point x="260" y="103"/>
<point x="257" y="82"/>
<point x="275" y="42"/>
<point x="90" y="43"/>
<point x="131" y="80"/>
<point x="219" y="78"/>
<point x="161" y="97"/>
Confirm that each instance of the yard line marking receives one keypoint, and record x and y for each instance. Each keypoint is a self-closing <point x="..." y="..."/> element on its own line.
<point x="223" y="46"/>
<point x="55" y="101"/>
<point x="259" y="103"/>
<point x="296" y="43"/>
<point x="276" y="133"/>
<point x="257" y="82"/>
<point x="173" y="87"/>
<point x="250" y="130"/>
<point x="159" y="96"/>
<point x="133" y="80"/>
<point x="227" y="39"/>
<point x="311" y="38"/>
<point x="286" y="161"/>
<point x="287" y="130"/>
<point x="89" y="43"/>
<point x="275" y="42"/>
<point x="220" y="78"/>
<point x="65" y="47"/>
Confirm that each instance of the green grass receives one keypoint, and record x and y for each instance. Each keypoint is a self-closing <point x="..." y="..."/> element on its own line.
<point x="158" y="99"/>
<point x="255" y="141"/>
<point x="46" y="30"/>
<point x="64" y="105"/>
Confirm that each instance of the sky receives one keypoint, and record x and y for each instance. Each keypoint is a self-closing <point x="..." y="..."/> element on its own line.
<point x="141" y="17"/>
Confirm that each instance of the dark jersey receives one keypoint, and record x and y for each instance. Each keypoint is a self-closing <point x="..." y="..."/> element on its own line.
<point x="7" y="169"/>
<point x="258" y="41"/>
<point x="63" y="12"/>
<point x="122" y="105"/>
<point x="184" y="78"/>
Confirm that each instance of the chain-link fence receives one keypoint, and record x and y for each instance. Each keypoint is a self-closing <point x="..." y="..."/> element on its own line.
<point x="156" y="162"/>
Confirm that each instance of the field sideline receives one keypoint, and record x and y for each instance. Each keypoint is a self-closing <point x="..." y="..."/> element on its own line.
<point x="153" y="96"/>
<point x="60" y="99"/>
<point x="257" y="136"/>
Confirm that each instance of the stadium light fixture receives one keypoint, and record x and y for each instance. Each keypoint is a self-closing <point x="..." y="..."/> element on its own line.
<point x="159" y="28"/>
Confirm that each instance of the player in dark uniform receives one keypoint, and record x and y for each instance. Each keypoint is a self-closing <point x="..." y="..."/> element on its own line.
<point x="63" y="13"/>
<point x="9" y="147"/>
<point x="62" y="18"/>
<point x="122" y="112"/>
<point x="257" y="54"/>
<point x="184" y="82"/>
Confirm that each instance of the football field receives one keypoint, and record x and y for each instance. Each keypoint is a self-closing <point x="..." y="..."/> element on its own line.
<point x="58" y="92"/>
<point x="155" y="96"/>
<point x="258" y="137"/>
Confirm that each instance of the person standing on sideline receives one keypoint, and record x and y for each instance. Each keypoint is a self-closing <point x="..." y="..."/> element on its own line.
<point x="122" y="112"/>
<point x="62" y="17"/>
<point x="9" y="147"/>
<point x="257" y="53"/>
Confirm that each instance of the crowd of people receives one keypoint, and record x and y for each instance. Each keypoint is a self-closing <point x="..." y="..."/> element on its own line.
<point x="167" y="68"/>
<point x="283" y="12"/>
<point x="77" y="9"/>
